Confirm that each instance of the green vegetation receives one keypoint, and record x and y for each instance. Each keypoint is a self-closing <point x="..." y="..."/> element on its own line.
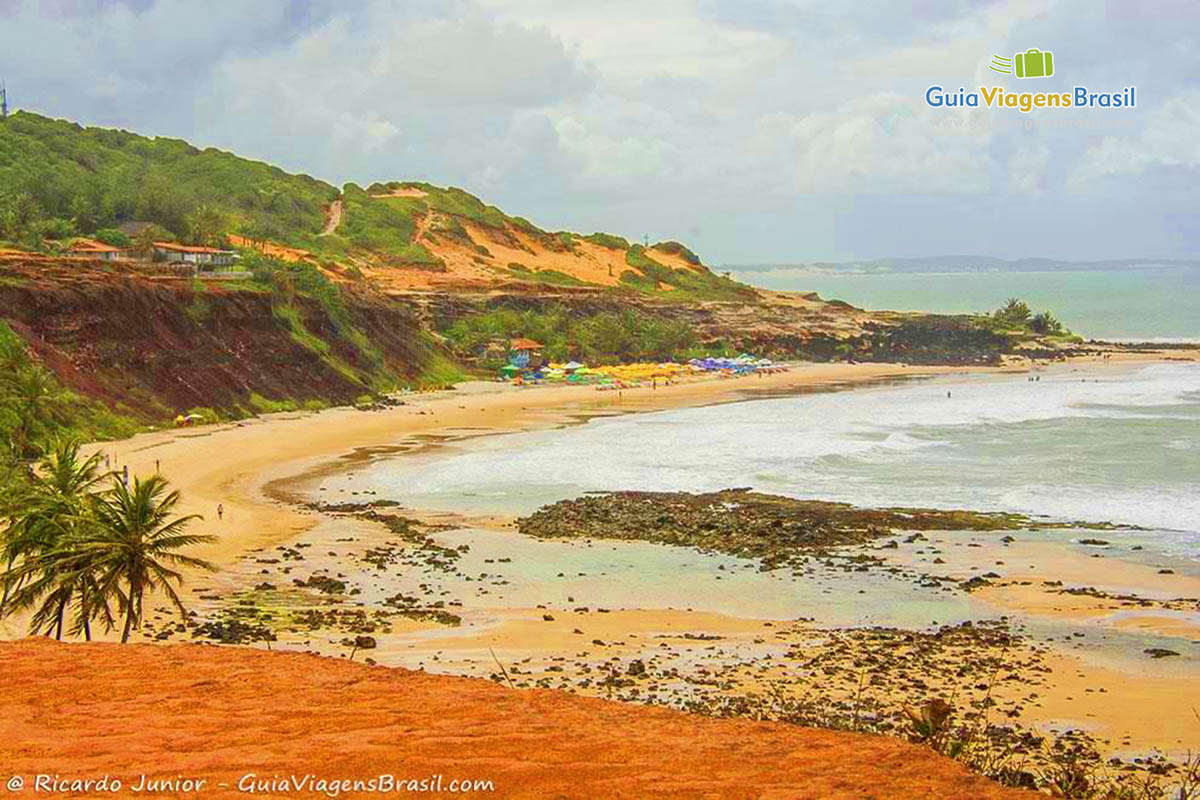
<point x="608" y="240"/>
<point x="1016" y="319"/>
<point x="688" y="284"/>
<point x="452" y="200"/>
<point x="35" y="409"/>
<point x="551" y="277"/>
<point x="675" y="248"/>
<point x="350" y="350"/>
<point x="385" y="225"/>
<point x="81" y="546"/>
<point x="597" y="338"/>
<point x="112" y="237"/>
<point x="288" y="281"/>
<point x="59" y="179"/>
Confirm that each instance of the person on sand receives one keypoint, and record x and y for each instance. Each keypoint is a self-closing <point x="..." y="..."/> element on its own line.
<point x="220" y="511"/>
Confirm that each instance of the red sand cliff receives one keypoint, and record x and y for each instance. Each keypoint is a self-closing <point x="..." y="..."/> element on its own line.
<point x="83" y="711"/>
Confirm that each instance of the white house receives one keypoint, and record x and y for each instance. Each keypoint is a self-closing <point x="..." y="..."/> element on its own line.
<point x="193" y="254"/>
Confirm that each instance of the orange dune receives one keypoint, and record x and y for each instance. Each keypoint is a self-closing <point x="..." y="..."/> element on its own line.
<point x="219" y="714"/>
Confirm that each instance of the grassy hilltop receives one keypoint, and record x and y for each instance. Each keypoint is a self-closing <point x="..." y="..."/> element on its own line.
<point x="351" y="293"/>
<point x="60" y="180"/>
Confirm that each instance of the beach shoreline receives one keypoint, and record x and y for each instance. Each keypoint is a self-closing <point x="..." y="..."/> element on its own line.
<point x="258" y="471"/>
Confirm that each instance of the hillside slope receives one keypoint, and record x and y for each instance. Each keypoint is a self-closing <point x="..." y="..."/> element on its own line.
<point x="152" y="347"/>
<point x="59" y="179"/>
<point x="218" y="713"/>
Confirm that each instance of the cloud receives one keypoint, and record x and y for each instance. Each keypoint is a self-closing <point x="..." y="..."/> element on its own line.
<point x="757" y="130"/>
<point x="1027" y="169"/>
<point x="388" y="90"/>
<point x="888" y="144"/>
<point x="1170" y="138"/>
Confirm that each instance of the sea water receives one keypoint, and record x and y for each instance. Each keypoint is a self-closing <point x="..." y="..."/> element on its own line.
<point x="1094" y="443"/>
<point x="1126" y="304"/>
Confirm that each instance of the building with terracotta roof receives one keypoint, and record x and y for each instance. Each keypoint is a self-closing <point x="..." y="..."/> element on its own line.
<point x="94" y="249"/>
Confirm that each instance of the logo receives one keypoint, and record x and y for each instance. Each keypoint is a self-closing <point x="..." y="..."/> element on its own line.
<point x="1033" y="63"/>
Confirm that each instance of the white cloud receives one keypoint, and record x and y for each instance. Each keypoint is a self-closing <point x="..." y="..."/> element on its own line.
<point x="1170" y="137"/>
<point x="1027" y="169"/>
<point x="887" y="144"/>
<point x="740" y="119"/>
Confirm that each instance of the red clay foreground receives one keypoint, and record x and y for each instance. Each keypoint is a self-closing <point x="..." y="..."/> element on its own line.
<point x="218" y="714"/>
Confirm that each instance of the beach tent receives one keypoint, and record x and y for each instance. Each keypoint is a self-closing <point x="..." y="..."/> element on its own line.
<point x="509" y="370"/>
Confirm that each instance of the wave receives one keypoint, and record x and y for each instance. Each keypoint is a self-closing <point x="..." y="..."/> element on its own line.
<point x="1098" y="445"/>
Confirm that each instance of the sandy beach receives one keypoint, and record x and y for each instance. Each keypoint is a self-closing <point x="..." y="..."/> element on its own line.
<point x="257" y="471"/>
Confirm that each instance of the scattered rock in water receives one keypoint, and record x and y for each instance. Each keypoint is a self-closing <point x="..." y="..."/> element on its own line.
<point x="749" y="524"/>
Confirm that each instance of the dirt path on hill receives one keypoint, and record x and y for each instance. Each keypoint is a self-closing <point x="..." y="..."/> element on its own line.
<point x="334" y="219"/>
<point x="232" y="715"/>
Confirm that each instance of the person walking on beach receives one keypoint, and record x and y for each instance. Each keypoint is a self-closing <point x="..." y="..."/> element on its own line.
<point x="220" y="511"/>
<point x="125" y="475"/>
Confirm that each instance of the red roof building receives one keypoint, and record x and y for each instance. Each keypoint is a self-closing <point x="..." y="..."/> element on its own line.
<point x="95" y="249"/>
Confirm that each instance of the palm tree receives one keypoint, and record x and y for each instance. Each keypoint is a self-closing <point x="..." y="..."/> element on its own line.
<point x="49" y="516"/>
<point x="36" y="394"/>
<point x="206" y="224"/>
<point x="135" y="544"/>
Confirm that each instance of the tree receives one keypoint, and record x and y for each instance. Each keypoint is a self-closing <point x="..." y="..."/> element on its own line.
<point x="1045" y="322"/>
<point x="112" y="236"/>
<point x="144" y="239"/>
<point x="1015" y="312"/>
<point x="50" y="515"/>
<point x="35" y="396"/>
<point x="206" y="225"/>
<point x="136" y="544"/>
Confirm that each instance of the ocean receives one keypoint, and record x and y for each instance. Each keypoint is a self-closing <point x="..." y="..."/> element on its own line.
<point x="1157" y="304"/>
<point x="1091" y="442"/>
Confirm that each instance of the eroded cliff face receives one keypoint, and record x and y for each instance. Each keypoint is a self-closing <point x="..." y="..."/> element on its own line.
<point x="152" y="347"/>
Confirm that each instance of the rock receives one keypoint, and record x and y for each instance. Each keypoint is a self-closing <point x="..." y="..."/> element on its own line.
<point x="1159" y="652"/>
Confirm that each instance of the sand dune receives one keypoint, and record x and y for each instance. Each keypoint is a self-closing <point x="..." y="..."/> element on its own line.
<point x="219" y="714"/>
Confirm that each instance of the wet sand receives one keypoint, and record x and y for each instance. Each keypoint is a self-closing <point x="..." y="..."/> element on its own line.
<point x="255" y="469"/>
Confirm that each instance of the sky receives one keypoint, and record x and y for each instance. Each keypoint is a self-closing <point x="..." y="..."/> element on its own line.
<point x="755" y="131"/>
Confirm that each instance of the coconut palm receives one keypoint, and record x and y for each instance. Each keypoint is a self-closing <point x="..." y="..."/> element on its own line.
<point x="135" y="545"/>
<point x="49" y="515"/>
<point x="36" y="396"/>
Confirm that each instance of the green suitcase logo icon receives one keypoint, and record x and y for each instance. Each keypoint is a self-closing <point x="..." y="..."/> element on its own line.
<point x="1034" y="63"/>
